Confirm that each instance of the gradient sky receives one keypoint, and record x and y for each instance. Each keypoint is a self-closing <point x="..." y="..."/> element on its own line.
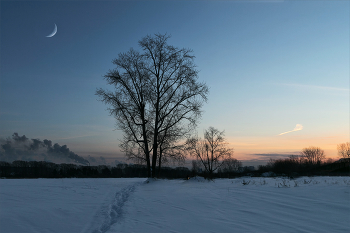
<point x="270" y="65"/>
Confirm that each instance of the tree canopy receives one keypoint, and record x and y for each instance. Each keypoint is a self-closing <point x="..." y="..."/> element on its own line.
<point x="156" y="101"/>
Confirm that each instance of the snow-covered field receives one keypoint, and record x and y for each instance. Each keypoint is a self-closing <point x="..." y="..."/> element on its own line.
<point x="306" y="204"/>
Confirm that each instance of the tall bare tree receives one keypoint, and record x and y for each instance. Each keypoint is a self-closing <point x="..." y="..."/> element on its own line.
<point x="210" y="151"/>
<point x="157" y="98"/>
<point x="176" y="96"/>
<point x="128" y="103"/>
<point x="344" y="150"/>
<point x="313" y="155"/>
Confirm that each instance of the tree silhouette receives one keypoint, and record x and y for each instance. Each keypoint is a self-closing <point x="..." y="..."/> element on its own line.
<point x="344" y="150"/>
<point x="210" y="151"/>
<point x="156" y="101"/>
<point x="313" y="155"/>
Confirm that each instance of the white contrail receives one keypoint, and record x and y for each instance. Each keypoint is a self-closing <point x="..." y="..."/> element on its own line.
<point x="297" y="128"/>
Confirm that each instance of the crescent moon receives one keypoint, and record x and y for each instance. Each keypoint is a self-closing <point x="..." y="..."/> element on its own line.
<point x="54" y="32"/>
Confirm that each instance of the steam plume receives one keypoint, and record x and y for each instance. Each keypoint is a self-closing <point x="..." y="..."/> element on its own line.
<point x="22" y="148"/>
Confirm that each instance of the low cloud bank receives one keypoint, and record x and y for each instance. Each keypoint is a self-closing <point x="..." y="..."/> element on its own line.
<point x="23" y="148"/>
<point x="275" y="155"/>
<point x="264" y="158"/>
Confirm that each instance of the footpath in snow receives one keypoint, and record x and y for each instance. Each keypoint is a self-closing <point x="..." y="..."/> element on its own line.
<point x="306" y="204"/>
<point x="63" y="205"/>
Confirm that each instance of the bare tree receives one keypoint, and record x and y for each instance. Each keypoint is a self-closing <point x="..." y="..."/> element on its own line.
<point x="128" y="104"/>
<point x="210" y="151"/>
<point x="176" y="96"/>
<point x="169" y="148"/>
<point x="231" y="165"/>
<point x="344" y="150"/>
<point x="313" y="155"/>
<point x="157" y="99"/>
<point x="196" y="167"/>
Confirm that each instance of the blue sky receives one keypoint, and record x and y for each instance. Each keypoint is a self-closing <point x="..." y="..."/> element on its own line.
<point x="269" y="65"/>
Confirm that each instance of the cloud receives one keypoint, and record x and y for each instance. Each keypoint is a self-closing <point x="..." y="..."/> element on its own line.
<point x="273" y="155"/>
<point x="17" y="138"/>
<point x="22" y="148"/>
<point x="95" y="161"/>
<point x="297" y="128"/>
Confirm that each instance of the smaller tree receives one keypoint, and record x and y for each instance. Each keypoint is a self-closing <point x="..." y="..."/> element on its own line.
<point x="170" y="150"/>
<point x="231" y="165"/>
<point x="344" y="150"/>
<point x="313" y="155"/>
<point x="211" y="151"/>
<point x="195" y="167"/>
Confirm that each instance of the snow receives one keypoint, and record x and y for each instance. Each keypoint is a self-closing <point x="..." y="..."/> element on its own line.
<point x="62" y="205"/>
<point x="306" y="204"/>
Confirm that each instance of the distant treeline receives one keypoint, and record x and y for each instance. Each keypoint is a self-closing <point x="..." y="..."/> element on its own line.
<point x="299" y="166"/>
<point x="42" y="169"/>
<point x="292" y="167"/>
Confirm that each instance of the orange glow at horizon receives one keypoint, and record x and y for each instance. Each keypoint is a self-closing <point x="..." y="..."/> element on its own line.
<point x="259" y="148"/>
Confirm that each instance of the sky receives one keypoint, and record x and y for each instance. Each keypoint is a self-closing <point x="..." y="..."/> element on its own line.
<point x="271" y="67"/>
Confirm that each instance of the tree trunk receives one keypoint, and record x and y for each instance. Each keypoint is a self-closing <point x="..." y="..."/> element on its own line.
<point x="155" y="136"/>
<point x="160" y="160"/>
<point x="145" y="141"/>
<point x="148" y="161"/>
<point x="154" y="160"/>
